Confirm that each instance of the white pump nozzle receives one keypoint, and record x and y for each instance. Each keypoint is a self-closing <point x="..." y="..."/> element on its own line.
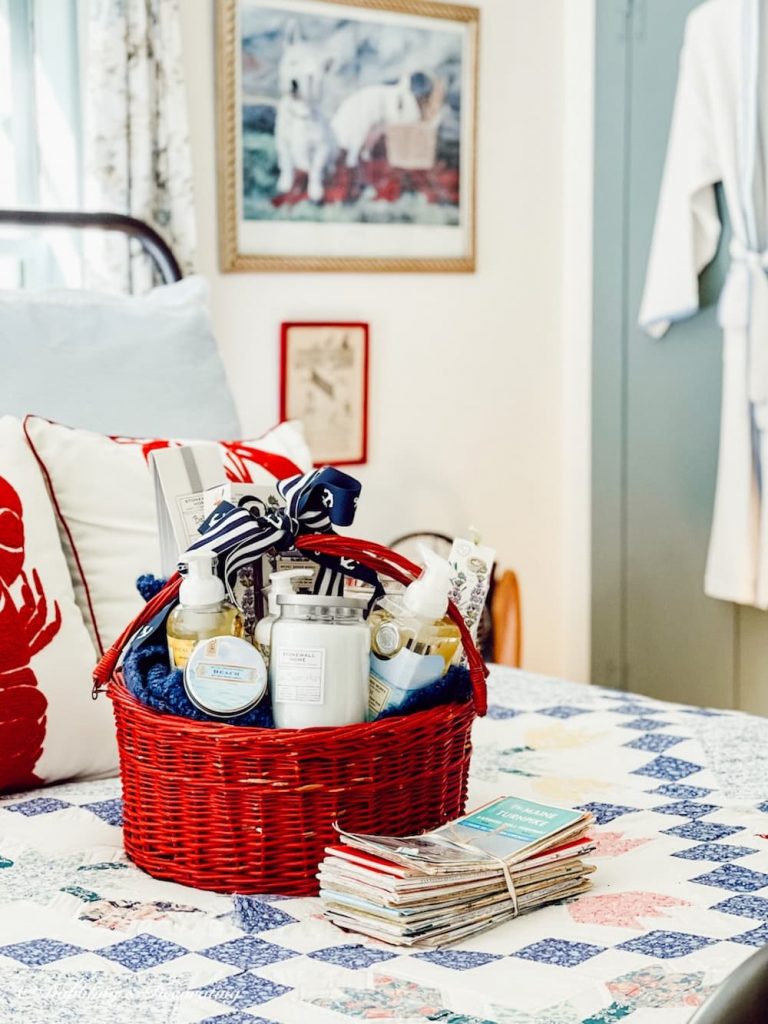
<point x="474" y="535"/>
<point x="200" y="586"/>
<point x="427" y="596"/>
<point x="282" y="583"/>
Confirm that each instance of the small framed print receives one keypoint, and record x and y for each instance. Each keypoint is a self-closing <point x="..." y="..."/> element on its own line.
<point x="324" y="383"/>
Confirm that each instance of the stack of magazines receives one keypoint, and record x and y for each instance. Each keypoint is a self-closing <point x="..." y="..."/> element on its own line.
<point x="504" y="859"/>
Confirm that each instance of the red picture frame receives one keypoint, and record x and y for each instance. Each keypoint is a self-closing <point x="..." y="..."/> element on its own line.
<point x="324" y="367"/>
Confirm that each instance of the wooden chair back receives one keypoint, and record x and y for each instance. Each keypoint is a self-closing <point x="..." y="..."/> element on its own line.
<point x="507" y="617"/>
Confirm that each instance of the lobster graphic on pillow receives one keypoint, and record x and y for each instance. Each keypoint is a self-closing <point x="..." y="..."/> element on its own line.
<point x="239" y="458"/>
<point x="24" y="631"/>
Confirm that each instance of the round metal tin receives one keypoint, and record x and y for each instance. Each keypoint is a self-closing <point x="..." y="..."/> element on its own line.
<point x="225" y="676"/>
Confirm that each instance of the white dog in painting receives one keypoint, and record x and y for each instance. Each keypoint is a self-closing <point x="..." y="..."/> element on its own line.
<point x="303" y="136"/>
<point x="362" y="116"/>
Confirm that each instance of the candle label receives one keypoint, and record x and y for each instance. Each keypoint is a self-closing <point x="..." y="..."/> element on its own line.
<point x="229" y="673"/>
<point x="300" y="676"/>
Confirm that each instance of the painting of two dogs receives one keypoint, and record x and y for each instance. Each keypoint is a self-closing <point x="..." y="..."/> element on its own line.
<point x="349" y="119"/>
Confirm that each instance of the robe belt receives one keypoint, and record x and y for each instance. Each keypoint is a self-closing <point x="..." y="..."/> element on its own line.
<point x="744" y="305"/>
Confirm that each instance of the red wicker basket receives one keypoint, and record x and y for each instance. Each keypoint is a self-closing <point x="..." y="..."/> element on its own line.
<point x="238" y="809"/>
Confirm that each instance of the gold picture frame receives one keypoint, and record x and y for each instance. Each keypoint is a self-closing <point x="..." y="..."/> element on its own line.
<point x="267" y="241"/>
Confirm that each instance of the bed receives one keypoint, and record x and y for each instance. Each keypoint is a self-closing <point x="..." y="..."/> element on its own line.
<point x="680" y="895"/>
<point x="680" y="898"/>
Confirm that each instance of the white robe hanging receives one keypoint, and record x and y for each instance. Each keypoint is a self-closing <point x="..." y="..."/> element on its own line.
<point x="719" y="134"/>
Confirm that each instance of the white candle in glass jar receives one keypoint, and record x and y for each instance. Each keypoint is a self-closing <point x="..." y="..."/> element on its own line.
<point x="319" y="662"/>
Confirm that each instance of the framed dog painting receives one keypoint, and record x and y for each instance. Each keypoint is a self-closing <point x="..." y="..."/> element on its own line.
<point x="347" y="135"/>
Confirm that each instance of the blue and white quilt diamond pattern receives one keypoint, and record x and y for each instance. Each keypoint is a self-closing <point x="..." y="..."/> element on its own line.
<point x="680" y="896"/>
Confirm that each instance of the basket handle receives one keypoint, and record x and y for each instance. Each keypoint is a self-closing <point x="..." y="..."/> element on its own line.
<point x="389" y="563"/>
<point x="108" y="663"/>
<point x="375" y="556"/>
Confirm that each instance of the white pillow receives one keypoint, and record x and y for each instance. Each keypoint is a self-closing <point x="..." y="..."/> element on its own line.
<point x="50" y="728"/>
<point x="104" y="498"/>
<point x="105" y="361"/>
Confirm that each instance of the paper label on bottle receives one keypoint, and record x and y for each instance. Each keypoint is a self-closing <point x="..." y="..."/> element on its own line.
<point x="377" y="696"/>
<point x="180" y="650"/>
<point x="299" y="676"/>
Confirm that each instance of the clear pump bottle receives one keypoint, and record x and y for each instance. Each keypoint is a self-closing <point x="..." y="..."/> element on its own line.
<point x="203" y="610"/>
<point x="413" y="640"/>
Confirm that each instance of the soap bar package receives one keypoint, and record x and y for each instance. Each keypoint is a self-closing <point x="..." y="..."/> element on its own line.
<point x="257" y="498"/>
<point x="190" y="481"/>
<point x="471" y="574"/>
<point x="181" y="475"/>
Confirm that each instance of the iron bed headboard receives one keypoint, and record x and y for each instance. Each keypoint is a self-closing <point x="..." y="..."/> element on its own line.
<point x="150" y="240"/>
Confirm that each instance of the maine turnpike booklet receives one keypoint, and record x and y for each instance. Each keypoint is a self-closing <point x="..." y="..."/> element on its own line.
<point x="472" y="874"/>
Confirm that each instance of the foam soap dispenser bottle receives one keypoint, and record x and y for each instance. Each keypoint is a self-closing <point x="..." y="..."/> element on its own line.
<point x="413" y="641"/>
<point x="203" y="610"/>
<point x="279" y="583"/>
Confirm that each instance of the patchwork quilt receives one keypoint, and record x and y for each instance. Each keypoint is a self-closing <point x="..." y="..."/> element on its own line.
<point x="680" y="795"/>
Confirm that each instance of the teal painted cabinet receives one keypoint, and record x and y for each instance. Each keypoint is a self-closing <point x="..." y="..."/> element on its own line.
<point x="656" y="406"/>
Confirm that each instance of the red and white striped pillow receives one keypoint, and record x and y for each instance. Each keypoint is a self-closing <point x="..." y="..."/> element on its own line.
<point x="50" y="729"/>
<point x="104" y="499"/>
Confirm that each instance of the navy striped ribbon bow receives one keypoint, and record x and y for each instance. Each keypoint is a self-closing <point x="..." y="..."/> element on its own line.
<point x="314" y="503"/>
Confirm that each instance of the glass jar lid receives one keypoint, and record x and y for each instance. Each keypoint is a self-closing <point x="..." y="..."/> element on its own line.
<point x="312" y="608"/>
<point x="305" y="600"/>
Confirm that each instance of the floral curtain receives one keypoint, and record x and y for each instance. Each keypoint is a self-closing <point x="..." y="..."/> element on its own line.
<point x="137" y="153"/>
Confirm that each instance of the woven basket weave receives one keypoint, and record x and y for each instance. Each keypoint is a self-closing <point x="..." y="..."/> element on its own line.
<point x="238" y="809"/>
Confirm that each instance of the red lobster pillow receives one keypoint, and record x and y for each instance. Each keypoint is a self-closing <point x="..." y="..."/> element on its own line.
<point x="105" y="503"/>
<point x="49" y="727"/>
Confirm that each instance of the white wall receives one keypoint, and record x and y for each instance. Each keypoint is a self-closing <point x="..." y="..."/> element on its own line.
<point x="576" y="332"/>
<point x="467" y="371"/>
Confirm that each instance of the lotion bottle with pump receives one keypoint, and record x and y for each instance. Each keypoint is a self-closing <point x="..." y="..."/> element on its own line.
<point x="413" y="640"/>
<point x="279" y="583"/>
<point x="203" y="610"/>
